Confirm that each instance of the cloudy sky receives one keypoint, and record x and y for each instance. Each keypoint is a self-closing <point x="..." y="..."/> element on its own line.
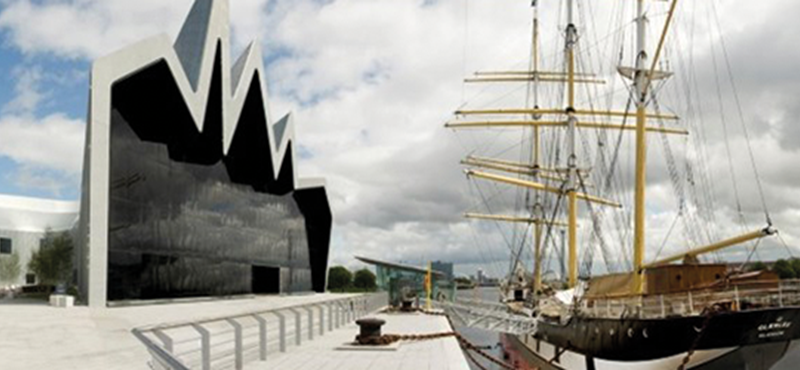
<point x="372" y="82"/>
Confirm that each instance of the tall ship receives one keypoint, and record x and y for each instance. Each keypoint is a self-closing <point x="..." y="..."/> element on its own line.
<point x="564" y="159"/>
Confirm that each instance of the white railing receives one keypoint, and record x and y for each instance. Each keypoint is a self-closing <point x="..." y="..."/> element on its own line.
<point x="486" y="315"/>
<point x="740" y="297"/>
<point x="232" y="341"/>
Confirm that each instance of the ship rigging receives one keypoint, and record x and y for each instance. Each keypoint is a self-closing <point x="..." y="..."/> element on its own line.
<point x="574" y="164"/>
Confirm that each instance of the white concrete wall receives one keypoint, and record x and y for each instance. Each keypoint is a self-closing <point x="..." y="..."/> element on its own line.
<point x="24" y="220"/>
<point x="24" y="243"/>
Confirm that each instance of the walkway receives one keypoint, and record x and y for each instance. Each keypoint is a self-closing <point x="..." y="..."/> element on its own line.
<point x="36" y="336"/>
<point x="327" y="353"/>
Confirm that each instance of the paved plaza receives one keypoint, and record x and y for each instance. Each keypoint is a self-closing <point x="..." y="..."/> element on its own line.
<point x="36" y="336"/>
<point x="327" y="352"/>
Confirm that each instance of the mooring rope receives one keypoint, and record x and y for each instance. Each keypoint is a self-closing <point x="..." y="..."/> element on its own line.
<point x="464" y="343"/>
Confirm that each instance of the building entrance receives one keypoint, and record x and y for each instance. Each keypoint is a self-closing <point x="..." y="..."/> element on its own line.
<point x="266" y="280"/>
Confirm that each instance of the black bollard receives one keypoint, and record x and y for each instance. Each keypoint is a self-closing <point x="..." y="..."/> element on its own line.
<point x="407" y="306"/>
<point x="370" y="330"/>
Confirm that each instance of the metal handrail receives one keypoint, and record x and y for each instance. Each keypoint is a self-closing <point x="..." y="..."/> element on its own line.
<point x="237" y="346"/>
<point x="158" y="352"/>
<point x="239" y="316"/>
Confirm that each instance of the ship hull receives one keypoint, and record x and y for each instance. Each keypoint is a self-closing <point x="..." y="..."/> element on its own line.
<point x="756" y="357"/>
<point x="733" y="340"/>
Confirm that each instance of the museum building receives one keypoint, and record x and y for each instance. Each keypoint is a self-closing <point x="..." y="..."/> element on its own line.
<point x="189" y="186"/>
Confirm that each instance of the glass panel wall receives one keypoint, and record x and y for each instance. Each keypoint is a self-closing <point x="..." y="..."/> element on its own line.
<point x="179" y="225"/>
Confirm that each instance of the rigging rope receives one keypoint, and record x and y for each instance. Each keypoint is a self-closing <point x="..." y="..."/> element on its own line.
<point x="465" y="50"/>
<point x="549" y="234"/>
<point x="780" y="237"/>
<point x="731" y="168"/>
<point x="666" y="237"/>
<point x="741" y="115"/>
<point x="750" y="255"/>
<point x="597" y="234"/>
<point x="490" y="262"/>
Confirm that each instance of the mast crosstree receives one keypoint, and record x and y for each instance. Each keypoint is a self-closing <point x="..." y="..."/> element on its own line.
<point x="571" y="118"/>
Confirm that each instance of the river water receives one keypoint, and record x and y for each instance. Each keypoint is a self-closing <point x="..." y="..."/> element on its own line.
<point x="487" y="338"/>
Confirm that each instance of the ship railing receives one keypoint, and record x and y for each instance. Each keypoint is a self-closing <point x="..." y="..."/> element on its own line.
<point x="738" y="297"/>
<point x="230" y="342"/>
<point x="481" y="303"/>
<point x="486" y="315"/>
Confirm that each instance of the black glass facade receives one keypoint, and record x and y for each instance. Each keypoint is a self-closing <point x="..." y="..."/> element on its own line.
<point x="186" y="220"/>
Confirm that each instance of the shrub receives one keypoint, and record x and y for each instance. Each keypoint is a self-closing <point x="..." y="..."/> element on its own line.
<point x="52" y="263"/>
<point x="784" y="269"/>
<point x="758" y="266"/>
<point x="339" y="278"/>
<point x="795" y="263"/>
<point x="365" y="280"/>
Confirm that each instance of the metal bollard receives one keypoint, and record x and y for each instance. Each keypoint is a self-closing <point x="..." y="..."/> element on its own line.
<point x="370" y="331"/>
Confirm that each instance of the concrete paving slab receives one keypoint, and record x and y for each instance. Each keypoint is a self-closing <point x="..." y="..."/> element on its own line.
<point x="37" y="336"/>
<point x="327" y="353"/>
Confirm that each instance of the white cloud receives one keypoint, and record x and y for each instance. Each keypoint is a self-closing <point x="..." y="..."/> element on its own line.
<point x="53" y="142"/>
<point x="48" y="150"/>
<point x="372" y="82"/>
<point x="87" y="28"/>
<point x="28" y="94"/>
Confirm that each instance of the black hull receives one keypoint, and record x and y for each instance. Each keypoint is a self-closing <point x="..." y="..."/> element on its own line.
<point x="754" y="357"/>
<point x="648" y="339"/>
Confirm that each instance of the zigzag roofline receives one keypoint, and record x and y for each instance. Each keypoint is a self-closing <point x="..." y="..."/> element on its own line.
<point x="191" y="60"/>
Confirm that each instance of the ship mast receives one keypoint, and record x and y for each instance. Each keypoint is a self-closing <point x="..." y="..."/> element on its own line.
<point x="572" y="174"/>
<point x="642" y="75"/>
<point x="643" y="78"/>
<point x="538" y="209"/>
<point x="641" y="83"/>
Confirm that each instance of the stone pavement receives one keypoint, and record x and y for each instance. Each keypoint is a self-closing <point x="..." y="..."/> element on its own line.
<point x="326" y="352"/>
<point x="36" y="336"/>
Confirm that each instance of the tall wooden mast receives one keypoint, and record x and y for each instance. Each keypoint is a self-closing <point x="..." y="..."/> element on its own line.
<point x="641" y="85"/>
<point x="538" y="209"/>
<point x="572" y="122"/>
<point x="570" y="178"/>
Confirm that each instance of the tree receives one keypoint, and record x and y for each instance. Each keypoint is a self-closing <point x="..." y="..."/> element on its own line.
<point x="784" y="269"/>
<point x="365" y="279"/>
<point x="758" y="266"/>
<point x="795" y="266"/>
<point x="52" y="263"/>
<point x="339" y="278"/>
<point x="10" y="268"/>
<point x="463" y="283"/>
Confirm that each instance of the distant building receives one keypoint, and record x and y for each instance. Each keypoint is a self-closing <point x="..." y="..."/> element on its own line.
<point x="23" y="222"/>
<point x="404" y="281"/>
<point x="481" y="277"/>
<point x="444" y="267"/>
